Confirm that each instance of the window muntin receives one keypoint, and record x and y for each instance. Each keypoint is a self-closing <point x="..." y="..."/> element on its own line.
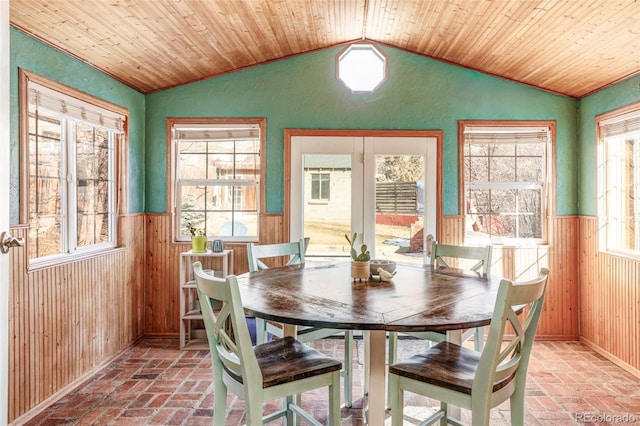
<point x="71" y="175"/>
<point x="619" y="180"/>
<point x="505" y="181"/>
<point x="218" y="173"/>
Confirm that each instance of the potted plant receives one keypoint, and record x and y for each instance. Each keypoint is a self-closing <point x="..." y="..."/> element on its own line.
<point x="360" y="261"/>
<point x="198" y="238"/>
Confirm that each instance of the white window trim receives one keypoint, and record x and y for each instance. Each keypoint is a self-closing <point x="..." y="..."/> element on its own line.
<point x="173" y="194"/>
<point x="510" y="127"/>
<point x="617" y="123"/>
<point x="94" y="112"/>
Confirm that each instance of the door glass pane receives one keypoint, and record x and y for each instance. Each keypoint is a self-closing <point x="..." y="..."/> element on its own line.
<point x="399" y="208"/>
<point x="326" y="205"/>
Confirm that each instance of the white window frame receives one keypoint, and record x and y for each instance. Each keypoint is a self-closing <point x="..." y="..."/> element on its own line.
<point x="499" y="128"/>
<point x="617" y="131"/>
<point x="51" y="99"/>
<point x="177" y="185"/>
<point x="321" y="184"/>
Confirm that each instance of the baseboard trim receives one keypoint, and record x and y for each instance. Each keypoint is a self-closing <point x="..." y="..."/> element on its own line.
<point x="610" y="357"/>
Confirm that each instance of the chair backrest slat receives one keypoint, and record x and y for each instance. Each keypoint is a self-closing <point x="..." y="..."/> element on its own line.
<point x="481" y="254"/>
<point x="505" y="355"/>
<point x="256" y="252"/>
<point x="228" y="333"/>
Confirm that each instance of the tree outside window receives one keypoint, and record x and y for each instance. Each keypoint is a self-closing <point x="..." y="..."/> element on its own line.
<point x="70" y="148"/>
<point x="505" y="182"/>
<point x="217" y="176"/>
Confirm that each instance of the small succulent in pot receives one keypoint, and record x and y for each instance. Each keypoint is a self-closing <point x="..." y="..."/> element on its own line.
<point x="364" y="255"/>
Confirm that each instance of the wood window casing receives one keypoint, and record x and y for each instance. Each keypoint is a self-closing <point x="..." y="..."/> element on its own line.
<point x="549" y="193"/>
<point x="172" y="165"/>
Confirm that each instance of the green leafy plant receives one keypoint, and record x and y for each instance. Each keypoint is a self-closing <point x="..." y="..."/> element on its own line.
<point x="364" y="254"/>
<point x="193" y="231"/>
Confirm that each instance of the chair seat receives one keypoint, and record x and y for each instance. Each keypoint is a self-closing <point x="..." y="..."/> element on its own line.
<point x="287" y="360"/>
<point x="446" y="365"/>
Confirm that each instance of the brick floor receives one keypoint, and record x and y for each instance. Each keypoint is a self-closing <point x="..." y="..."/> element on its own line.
<point x="155" y="383"/>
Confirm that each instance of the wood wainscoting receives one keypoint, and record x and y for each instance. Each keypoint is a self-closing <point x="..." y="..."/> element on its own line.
<point x="162" y="286"/>
<point x="609" y="300"/>
<point x="67" y="320"/>
<point x="559" y="318"/>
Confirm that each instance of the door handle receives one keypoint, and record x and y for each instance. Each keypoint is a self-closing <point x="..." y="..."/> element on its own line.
<point x="9" y="242"/>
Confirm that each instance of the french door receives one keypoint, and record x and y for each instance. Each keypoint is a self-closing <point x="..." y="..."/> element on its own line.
<point x="382" y="188"/>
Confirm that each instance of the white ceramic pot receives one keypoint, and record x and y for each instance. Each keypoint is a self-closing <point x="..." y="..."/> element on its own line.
<point x="387" y="265"/>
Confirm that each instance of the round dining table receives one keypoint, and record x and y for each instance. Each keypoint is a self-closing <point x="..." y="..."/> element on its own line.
<point x="418" y="298"/>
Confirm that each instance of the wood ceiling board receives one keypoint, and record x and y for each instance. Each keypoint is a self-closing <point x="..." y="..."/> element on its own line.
<point x="567" y="47"/>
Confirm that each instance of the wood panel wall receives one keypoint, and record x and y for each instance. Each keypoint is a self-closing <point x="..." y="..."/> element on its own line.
<point x="609" y="300"/>
<point x="67" y="320"/>
<point x="162" y="286"/>
<point x="559" y="319"/>
<point x="63" y="324"/>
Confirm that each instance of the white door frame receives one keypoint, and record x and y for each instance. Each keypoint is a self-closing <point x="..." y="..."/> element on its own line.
<point x="4" y="209"/>
<point x="363" y="149"/>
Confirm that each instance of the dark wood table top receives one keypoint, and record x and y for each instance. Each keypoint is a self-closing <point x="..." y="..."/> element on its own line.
<point x="418" y="298"/>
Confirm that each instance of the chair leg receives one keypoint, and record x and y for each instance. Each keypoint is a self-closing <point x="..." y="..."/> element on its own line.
<point x="219" y="395"/>
<point x="478" y="340"/>
<point x="291" y="418"/>
<point x="444" y="420"/>
<point x="348" y="368"/>
<point x="395" y="400"/>
<point x="517" y="407"/>
<point x="393" y="357"/>
<point x="261" y="327"/>
<point x="480" y="412"/>
<point x="334" y="400"/>
<point x="367" y="362"/>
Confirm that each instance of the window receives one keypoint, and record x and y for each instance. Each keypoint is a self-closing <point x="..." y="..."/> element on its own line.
<point x="619" y="179"/>
<point x="362" y="68"/>
<point x="505" y="168"/>
<point x="320" y="188"/>
<point x="69" y="145"/>
<point x="217" y="176"/>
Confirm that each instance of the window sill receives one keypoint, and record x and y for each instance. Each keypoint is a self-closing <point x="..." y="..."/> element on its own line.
<point x="630" y="255"/>
<point x="65" y="259"/>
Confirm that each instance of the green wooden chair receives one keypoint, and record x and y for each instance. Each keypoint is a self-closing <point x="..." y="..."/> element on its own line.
<point x="481" y="258"/>
<point x="440" y="252"/>
<point x="439" y="255"/>
<point x="283" y="368"/>
<point x="472" y="380"/>
<point x="296" y="253"/>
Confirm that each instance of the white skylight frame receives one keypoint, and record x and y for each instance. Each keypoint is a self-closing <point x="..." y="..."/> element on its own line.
<point x="361" y="68"/>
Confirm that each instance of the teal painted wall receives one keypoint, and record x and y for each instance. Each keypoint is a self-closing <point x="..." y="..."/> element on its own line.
<point x="618" y="95"/>
<point x="35" y="56"/>
<point x="302" y="92"/>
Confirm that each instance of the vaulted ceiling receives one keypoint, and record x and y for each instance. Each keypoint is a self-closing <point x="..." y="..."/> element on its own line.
<point x="570" y="47"/>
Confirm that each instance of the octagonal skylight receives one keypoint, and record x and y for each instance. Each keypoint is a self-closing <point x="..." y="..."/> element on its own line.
<point x="361" y="68"/>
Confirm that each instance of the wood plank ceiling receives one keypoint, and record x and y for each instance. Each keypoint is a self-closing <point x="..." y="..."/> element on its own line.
<point x="570" y="47"/>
